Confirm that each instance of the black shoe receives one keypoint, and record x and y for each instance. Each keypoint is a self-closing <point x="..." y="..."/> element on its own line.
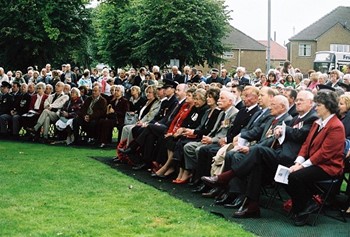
<point x="246" y="212"/>
<point x="139" y="166"/>
<point x="212" y="193"/>
<point x="212" y="181"/>
<point x="312" y="207"/>
<point x="202" y="188"/>
<point x="225" y="199"/>
<point x="301" y="220"/>
<point x="236" y="203"/>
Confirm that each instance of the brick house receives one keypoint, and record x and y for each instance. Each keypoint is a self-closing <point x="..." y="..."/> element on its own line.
<point x="330" y="33"/>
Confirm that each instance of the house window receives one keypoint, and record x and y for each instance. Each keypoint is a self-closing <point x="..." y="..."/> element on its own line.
<point x="228" y="54"/>
<point x="340" y="47"/>
<point x="305" y="50"/>
<point x="281" y="63"/>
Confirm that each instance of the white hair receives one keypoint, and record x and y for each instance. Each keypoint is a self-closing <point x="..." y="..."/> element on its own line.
<point x="283" y="100"/>
<point x="229" y="95"/>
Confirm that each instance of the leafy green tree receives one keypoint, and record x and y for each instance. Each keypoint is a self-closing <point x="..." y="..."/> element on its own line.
<point x="35" y="32"/>
<point x="148" y="32"/>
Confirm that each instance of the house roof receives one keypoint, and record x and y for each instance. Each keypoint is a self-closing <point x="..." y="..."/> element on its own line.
<point x="238" y="40"/>
<point x="277" y="52"/>
<point x="339" y="15"/>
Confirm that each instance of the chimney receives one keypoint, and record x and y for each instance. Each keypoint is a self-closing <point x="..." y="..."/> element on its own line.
<point x="274" y="36"/>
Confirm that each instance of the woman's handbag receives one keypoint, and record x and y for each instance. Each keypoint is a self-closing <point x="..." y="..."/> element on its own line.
<point x="130" y="118"/>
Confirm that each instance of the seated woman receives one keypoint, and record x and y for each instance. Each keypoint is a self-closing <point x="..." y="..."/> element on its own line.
<point x="36" y="107"/>
<point x="344" y="112"/>
<point x="136" y="101"/>
<point x="146" y="114"/>
<point x="176" y="133"/>
<point x="320" y="157"/>
<point x="68" y="113"/>
<point x="207" y="124"/>
<point x="116" y="110"/>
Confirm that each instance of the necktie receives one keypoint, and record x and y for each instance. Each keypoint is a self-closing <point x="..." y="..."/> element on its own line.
<point x="298" y="120"/>
<point x="274" y="122"/>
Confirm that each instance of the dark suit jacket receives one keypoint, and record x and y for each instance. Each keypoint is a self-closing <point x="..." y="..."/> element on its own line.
<point x="240" y="121"/>
<point x="253" y="130"/>
<point x="295" y="137"/>
<point x="207" y="123"/>
<point x="267" y="141"/>
<point x="99" y="109"/>
<point x="293" y="111"/>
<point x="6" y="103"/>
<point x="330" y="83"/>
<point x="194" y="79"/>
<point x="243" y="81"/>
<point x="346" y="123"/>
<point x="194" y="118"/>
<point x="179" y="78"/>
<point x="165" y="109"/>
<point x="216" y="80"/>
<point x="21" y="103"/>
<point x="120" y="108"/>
<point x="240" y="105"/>
<point x="326" y="149"/>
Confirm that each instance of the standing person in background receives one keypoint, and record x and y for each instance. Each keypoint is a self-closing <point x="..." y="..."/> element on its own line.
<point x="242" y="80"/>
<point x="85" y="80"/>
<point x="214" y="78"/>
<point x="201" y="76"/>
<point x="225" y="78"/>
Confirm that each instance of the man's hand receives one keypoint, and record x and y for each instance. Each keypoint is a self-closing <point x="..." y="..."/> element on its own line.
<point x="222" y="142"/>
<point x="243" y="149"/>
<point x="206" y="140"/>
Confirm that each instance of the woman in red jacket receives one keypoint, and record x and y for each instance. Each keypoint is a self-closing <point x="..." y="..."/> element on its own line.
<point x="320" y="157"/>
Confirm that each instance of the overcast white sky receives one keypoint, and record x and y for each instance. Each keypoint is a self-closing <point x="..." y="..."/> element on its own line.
<point x="250" y="16"/>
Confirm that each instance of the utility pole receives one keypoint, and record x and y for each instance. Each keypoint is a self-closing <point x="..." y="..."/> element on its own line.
<point x="268" y="37"/>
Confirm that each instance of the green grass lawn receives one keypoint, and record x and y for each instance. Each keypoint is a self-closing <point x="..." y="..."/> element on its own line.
<point x="59" y="191"/>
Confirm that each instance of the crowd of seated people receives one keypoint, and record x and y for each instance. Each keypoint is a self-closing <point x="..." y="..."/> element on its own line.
<point x="224" y="135"/>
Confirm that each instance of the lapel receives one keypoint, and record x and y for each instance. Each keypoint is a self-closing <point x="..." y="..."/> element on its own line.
<point x="217" y="125"/>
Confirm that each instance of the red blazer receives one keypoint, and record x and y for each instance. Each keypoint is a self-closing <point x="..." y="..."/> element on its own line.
<point x="32" y="103"/>
<point x="179" y="118"/>
<point x="326" y="150"/>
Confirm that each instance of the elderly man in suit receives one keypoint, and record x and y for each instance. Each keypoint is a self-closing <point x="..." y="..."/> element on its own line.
<point x="52" y="107"/>
<point x="93" y="109"/>
<point x="207" y="152"/>
<point x="175" y="75"/>
<point x="240" y="163"/>
<point x="225" y="120"/>
<point x="262" y="161"/>
<point x="250" y="132"/>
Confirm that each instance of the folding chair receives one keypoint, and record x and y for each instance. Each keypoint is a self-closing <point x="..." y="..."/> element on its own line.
<point x="326" y="188"/>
